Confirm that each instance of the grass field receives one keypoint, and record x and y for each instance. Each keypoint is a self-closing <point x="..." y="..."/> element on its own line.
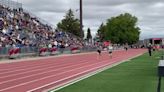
<point x="136" y="75"/>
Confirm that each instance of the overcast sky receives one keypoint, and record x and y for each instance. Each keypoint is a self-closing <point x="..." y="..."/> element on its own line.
<point x="149" y="12"/>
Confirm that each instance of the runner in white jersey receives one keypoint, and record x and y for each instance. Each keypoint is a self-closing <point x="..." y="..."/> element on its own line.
<point x="110" y="50"/>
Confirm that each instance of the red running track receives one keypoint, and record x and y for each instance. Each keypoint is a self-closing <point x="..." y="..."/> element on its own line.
<point x="42" y="74"/>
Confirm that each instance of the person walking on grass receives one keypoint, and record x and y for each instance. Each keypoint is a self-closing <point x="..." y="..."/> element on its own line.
<point x="110" y="50"/>
<point x="150" y="49"/>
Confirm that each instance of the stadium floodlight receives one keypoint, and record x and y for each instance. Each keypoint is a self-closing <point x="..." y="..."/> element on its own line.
<point x="81" y="15"/>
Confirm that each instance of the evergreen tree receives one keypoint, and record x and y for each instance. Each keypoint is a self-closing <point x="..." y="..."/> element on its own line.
<point x="89" y="36"/>
<point x="71" y="24"/>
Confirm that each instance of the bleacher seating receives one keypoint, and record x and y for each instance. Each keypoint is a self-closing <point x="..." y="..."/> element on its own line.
<point x="20" y="29"/>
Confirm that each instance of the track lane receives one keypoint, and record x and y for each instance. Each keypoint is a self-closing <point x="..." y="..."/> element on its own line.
<point x="120" y="54"/>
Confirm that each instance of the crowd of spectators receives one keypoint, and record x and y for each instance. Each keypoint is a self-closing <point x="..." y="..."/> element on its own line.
<point x="19" y="29"/>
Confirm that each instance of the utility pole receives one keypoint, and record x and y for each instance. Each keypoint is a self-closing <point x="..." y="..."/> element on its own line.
<point x="81" y="16"/>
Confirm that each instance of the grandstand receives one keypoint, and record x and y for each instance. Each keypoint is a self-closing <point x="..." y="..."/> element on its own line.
<point x="21" y="29"/>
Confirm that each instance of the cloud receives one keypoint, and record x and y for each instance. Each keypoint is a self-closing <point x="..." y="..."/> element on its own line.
<point x="149" y="12"/>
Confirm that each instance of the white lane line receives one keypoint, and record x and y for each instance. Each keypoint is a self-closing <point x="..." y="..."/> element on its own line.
<point x="36" y="66"/>
<point x="15" y="70"/>
<point x="43" y="58"/>
<point x="48" y="58"/>
<point x="48" y="77"/>
<point x="25" y="69"/>
<point x="34" y="70"/>
<point x="70" y="77"/>
<point x="32" y="65"/>
<point x="40" y="73"/>
<point x="40" y="58"/>
<point x="54" y="75"/>
<point x="42" y="65"/>
<point x="30" y="81"/>
<point x="19" y="66"/>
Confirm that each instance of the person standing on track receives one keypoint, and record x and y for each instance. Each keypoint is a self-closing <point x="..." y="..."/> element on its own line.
<point x="110" y="50"/>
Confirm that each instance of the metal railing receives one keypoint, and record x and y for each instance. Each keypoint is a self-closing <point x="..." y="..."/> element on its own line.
<point x="27" y="51"/>
<point x="23" y="50"/>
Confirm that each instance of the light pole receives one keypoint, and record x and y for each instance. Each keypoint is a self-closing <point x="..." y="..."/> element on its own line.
<point x="81" y="16"/>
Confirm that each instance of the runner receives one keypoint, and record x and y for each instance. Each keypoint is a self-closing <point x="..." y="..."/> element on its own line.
<point x="99" y="50"/>
<point x="110" y="50"/>
<point x="126" y="47"/>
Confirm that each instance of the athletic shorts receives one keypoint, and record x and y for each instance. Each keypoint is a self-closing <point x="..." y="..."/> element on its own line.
<point x="110" y="52"/>
<point x="99" y="51"/>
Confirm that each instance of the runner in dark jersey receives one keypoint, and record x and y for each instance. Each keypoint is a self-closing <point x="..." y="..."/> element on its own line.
<point x="99" y="50"/>
<point x="150" y="50"/>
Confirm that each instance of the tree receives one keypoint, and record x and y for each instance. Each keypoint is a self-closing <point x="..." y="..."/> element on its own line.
<point x="89" y="36"/>
<point x="71" y="24"/>
<point x="122" y="29"/>
<point x="101" y="32"/>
